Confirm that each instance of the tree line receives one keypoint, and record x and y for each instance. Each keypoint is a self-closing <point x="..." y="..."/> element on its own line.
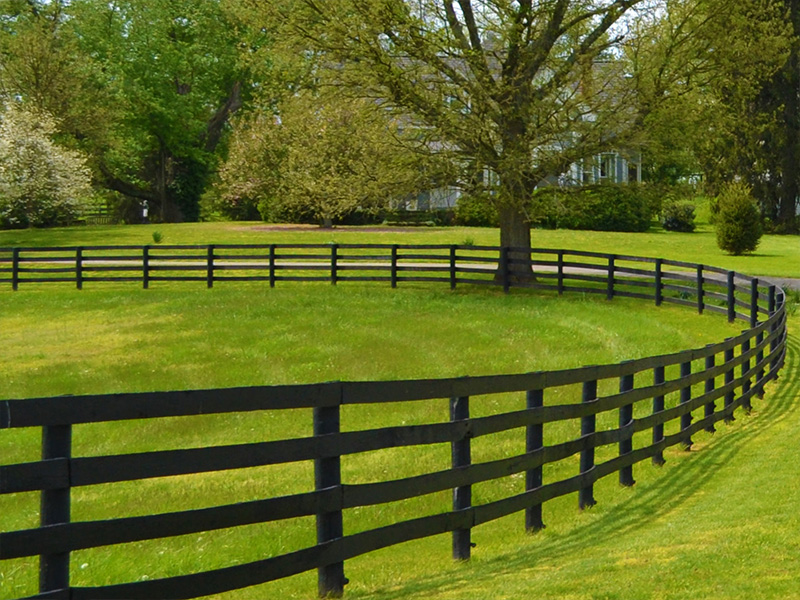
<point x="312" y="109"/>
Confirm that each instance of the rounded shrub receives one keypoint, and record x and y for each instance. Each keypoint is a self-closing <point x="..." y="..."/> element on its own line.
<point x="678" y="216"/>
<point x="738" y="222"/>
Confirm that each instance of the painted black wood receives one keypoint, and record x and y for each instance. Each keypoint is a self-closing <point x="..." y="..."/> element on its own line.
<point x="328" y="474"/>
<point x="334" y="262"/>
<point x="55" y="508"/>
<point x="731" y="301"/>
<point x="588" y="424"/>
<point x="534" y="441"/>
<point x="745" y="378"/>
<point x="610" y="283"/>
<point x="700" y="292"/>
<point x="729" y="379"/>
<point x="710" y="407"/>
<point x="210" y="266"/>
<point x="453" y="267"/>
<point x="462" y="495"/>
<point x="658" y="407"/>
<point x="146" y="267"/>
<point x="626" y="419"/>
<point x="79" y="268"/>
<point x="686" y="396"/>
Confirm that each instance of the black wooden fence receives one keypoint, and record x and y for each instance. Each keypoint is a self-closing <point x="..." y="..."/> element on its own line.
<point x="728" y="373"/>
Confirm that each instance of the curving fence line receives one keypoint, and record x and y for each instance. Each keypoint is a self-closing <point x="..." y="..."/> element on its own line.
<point x="665" y="399"/>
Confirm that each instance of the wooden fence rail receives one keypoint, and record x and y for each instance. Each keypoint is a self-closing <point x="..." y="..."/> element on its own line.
<point x="712" y="382"/>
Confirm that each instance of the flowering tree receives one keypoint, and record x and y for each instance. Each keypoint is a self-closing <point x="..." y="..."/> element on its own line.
<point x="41" y="183"/>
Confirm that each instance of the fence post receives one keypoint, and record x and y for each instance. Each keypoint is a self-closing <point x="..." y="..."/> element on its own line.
<point x="15" y="269"/>
<point x="79" y="268"/>
<point x="658" y="406"/>
<point x="710" y="407"/>
<point x="586" y="493"/>
<point x="272" y="265"/>
<point x="731" y="298"/>
<point x="759" y="358"/>
<point x="729" y="377"/>
<point x="533" y="477"/>
<point x="504" y="274"/>
<point x="746" y="382"/>
<point x="394" y="266"/>
<point x="659" y="285"/>
<point x="560" y="272"/>
<point x="210" y="267"/>
<point x="462" y="495"/>
<point x="452" y="267"/>
<point x="700" y="293"/>
<point x="334" y="263"/>
<point x="625" y="419"/>
<point x="753" y="302"/>
<point x="328" y="473"/>
<point x="686" y="396"/>
<point x="55" y="509"/>
<point x="610" y="290"/>
<point x="773" y="345"/>
<point x="146" y="267"/>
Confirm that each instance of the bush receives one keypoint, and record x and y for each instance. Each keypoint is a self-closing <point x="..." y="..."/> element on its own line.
<point x="476" y="210"/>
<point x="739" y="226"/>
<point x="602" y="207"/>
<point x="41" y="183"/>
<point x="678" y="216"/>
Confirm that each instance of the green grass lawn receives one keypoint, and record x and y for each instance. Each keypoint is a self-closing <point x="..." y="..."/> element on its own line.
<point x="701" y="525"/>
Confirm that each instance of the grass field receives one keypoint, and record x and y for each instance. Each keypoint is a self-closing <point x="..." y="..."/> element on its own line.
<point x="702" y="525"/>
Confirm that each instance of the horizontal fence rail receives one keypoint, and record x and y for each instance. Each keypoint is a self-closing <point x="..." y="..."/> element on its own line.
<point x="708" y="385"/>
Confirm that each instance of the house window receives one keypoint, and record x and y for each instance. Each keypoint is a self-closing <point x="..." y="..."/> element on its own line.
<point x="633" y="172"/>
<point x="587" y="176"/>
<point x="607" y="164"/>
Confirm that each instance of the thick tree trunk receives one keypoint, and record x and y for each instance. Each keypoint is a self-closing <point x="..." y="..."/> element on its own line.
<point x="515" y="233"/>
<point x="787" y="211"/>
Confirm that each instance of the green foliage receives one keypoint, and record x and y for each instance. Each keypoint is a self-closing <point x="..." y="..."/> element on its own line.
<point x="41" y="184"/>
<point x="739" y="227"/>
<point x="324" y="157"/>
<point x="158" y="237"/>
<point x="476" y="210"/>
<point x="678" y="216"/>
<point x="602" y="207"/>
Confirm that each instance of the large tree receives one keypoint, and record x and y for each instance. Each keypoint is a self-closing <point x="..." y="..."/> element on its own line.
<point x="520" y="89"/>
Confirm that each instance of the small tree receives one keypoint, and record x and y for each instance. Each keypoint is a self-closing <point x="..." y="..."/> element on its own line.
<point x="41" y="183"/>
<point x="323" y="156"/>
<point x="739" y="226"/>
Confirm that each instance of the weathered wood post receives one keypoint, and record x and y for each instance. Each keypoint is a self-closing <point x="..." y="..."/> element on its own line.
<point x="658" y="406"/>
<point x="625" y="419"/>
<point x="588" y="424"/>
<point x="700" y="293"/>
<point x="462" y="495"/>
<point x="659" y="285"/>
<point x="334" y="263"/>
<point x="327" y="474"/>
<point x="710" y="408"/>
<point x="452" y="267"/>
<point x="55" y="509"/>
<point x="79" y="267"/>
<point x="686" y="396"/>
<point x="534" y="440"/>
<point x="731" y="298"/>
<point x="210" y="267"/>
<point x="146" y="267"/>
<point x="729" y="377"/>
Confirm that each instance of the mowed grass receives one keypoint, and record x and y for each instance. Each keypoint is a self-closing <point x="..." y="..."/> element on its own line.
<point x="719" y="522"/>
<point x="57" y="341"/>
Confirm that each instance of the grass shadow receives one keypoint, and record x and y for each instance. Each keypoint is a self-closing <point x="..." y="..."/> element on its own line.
<point x="646" y="502"/>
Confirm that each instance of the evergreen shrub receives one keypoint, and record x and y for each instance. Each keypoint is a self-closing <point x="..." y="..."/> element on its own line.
<point x="739" y="226"/>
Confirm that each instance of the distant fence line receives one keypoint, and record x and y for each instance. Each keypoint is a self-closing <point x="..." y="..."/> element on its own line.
<point x="731" y="371"/>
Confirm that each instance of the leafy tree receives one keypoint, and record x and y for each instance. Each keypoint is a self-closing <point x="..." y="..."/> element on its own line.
<point x="519" y="89"/>
<point x="324" y="156"/>
<point x="41" y="183"/>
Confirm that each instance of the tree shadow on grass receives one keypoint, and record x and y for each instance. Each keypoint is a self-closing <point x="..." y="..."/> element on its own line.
<point x="645" y="502"/>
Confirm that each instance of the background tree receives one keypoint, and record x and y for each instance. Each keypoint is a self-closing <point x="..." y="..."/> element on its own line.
<point x="41" y="183"/>
<point x="324" y="156"/>
<point x="521" y="89"/>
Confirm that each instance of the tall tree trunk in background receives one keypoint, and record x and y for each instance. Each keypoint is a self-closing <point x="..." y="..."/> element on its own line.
<point x="790" y="163"/>
<point x="515" y="228"/>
